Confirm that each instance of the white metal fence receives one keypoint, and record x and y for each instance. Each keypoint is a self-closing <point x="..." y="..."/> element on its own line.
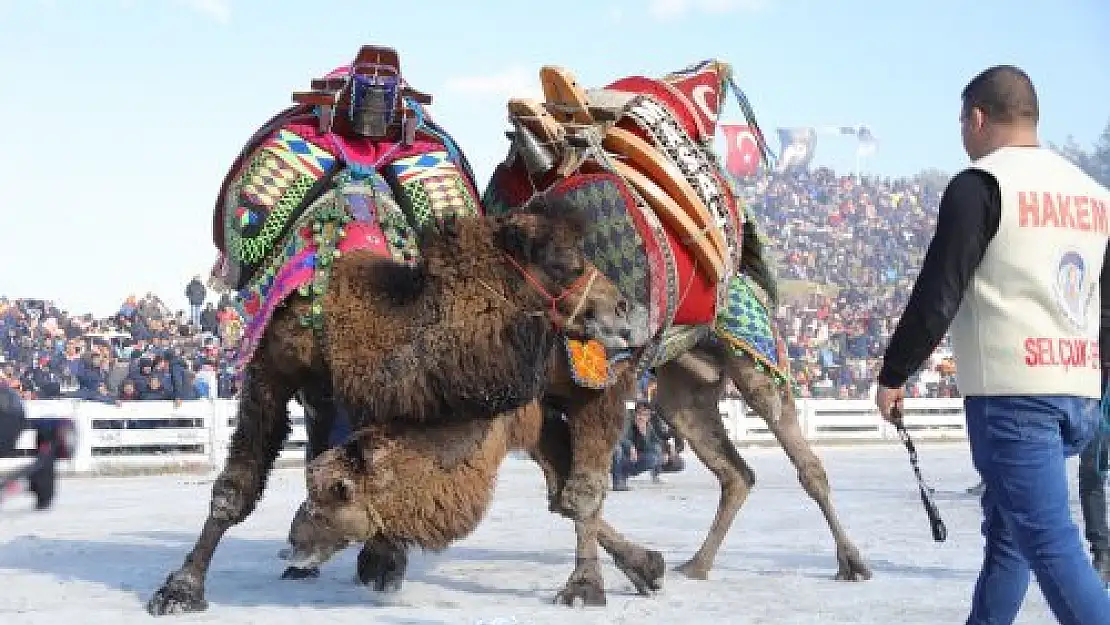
<point x="158" y="435"/>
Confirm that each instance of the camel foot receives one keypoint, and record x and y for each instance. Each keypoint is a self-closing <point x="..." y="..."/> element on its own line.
<point x="852" y="568"/>
<point x="294" y="572"/>
<point x="382" y="568"/>
<point x="645" y="572"/>
<point x="693" y="570"/>
<point x="179" y="595"/>
<point x="583" y="494"/>
<point x="582" y="590"/>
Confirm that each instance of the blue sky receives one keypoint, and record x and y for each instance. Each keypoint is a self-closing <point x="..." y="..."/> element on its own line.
<point x="123" y="115"/>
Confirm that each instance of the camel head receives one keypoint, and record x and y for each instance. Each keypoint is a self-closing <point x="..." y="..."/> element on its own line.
<point x="310" y="542"/>
<point x="416" y="486"/>
<point x="544" y="151"/>
<point x="337" y="510"/>
<point x="340" y="505"/>
<point x="543" y="244"/>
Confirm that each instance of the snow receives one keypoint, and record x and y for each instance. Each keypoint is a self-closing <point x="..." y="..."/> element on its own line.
<point x="109" y="542"/>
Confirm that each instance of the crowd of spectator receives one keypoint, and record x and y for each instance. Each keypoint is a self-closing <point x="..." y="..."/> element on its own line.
<point x="858" y="242"/>
<point x="143" y="352"/>
<point x="855" y="244"/>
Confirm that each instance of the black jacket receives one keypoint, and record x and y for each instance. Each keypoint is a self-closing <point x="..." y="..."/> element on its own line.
<point x="195" y="292"/>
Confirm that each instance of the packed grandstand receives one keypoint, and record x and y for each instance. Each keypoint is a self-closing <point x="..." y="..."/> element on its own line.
<point x="847" y="251"/>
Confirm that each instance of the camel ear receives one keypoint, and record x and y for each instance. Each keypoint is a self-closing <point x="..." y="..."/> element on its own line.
<point x="516" y="235"/>
<point x="560" y="212"/>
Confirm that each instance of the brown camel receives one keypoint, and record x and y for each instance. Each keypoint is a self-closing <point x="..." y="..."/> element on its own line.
<point x="465" y="333"/>
<point x="553" y="144"/>
<point x="404" y="486"/>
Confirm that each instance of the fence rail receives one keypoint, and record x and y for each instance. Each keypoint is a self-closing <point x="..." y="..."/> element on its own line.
<point x="160" y="435"/>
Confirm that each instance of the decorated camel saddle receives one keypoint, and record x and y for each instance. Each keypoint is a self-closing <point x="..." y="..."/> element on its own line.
<point x="637" y="156"/>
<point x="355" y="164"/>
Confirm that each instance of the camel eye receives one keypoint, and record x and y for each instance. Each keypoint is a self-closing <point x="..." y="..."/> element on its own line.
<point x="563" y="264"/>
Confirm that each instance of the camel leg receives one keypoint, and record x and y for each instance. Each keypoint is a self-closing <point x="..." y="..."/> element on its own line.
<point x="320" y="412"/>
<point x="261" y="430"/>
<point x="596" y="422"/>
<point x="319" y="418"/>
<point x="552" y="454"/>
<point x="764" y="396"/>
<point x="585" y="583"/>
<point x="382" y="564"/>
<point x="690" y="405"/>
<point x="643" y="567"/>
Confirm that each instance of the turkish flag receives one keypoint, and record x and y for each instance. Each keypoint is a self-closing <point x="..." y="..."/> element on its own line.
<point x="742" y="154"/>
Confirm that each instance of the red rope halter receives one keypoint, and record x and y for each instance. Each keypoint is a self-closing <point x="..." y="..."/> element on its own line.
<point x="554" y="300"/>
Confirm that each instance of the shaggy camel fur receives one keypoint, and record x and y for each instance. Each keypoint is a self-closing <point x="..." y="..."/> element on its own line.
<point x="689" y="388"/>
<point x="479" y="308"/>
<point x="404" y="486"/>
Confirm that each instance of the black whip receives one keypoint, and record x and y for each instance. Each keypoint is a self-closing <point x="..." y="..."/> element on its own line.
<point x="940" y="532"/>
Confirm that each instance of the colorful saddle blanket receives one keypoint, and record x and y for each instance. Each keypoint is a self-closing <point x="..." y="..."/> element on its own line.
<point x="633" y="247"/>
<point x="642" y="254"/>
<point x="297" y="197"/>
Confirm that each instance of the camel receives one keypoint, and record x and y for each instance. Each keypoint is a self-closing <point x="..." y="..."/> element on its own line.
<point x="404" y="486"/>
<point x="561" y="144"/>
<point x="464" y="334"/>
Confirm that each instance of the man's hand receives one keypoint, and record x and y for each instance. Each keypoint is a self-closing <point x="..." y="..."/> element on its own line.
<point x="887" y="398"/>
<point x="633" y="455"/>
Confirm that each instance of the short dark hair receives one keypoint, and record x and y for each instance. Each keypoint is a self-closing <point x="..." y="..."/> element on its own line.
<point x="1004" y="93"/>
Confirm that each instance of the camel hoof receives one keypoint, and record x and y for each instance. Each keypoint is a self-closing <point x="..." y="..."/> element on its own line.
<point x="852" y="567"/>
<point x="646" y="574"/>
<point x="178" y="595"/>
<point x="583" y="494"/>
<point x="582" y="592"/>
<point x="384" y="571"/>
<point x="293" y="572"/>
<point x="693" y="570"/>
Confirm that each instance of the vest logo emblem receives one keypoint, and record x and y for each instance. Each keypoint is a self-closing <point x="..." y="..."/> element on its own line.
<point x="1073" y="290"/>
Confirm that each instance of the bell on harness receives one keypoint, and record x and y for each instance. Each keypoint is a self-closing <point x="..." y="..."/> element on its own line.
<point x="373" y="101"/>
<point x="537" y="157"/>
<point x="366" y="98"/>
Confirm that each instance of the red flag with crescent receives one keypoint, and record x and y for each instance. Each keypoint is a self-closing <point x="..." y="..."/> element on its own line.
<point x="741" y="150"/>
<point x="702" y="85"/>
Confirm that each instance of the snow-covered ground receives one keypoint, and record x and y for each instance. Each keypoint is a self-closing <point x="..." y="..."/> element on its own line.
<point x="109" y="542"/>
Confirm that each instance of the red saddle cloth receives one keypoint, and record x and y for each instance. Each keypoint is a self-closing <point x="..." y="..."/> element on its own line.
<point x="693" y="96"/>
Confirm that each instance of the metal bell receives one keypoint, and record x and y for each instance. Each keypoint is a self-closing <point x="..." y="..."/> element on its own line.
<point x="371" y="108"/>
<point x="538" y="158"/>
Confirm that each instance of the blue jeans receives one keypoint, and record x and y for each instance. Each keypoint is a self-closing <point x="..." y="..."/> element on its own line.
<point x="1019" y="445"/>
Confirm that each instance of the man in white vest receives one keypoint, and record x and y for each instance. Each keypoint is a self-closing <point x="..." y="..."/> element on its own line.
<point x="1014" y="272"/>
